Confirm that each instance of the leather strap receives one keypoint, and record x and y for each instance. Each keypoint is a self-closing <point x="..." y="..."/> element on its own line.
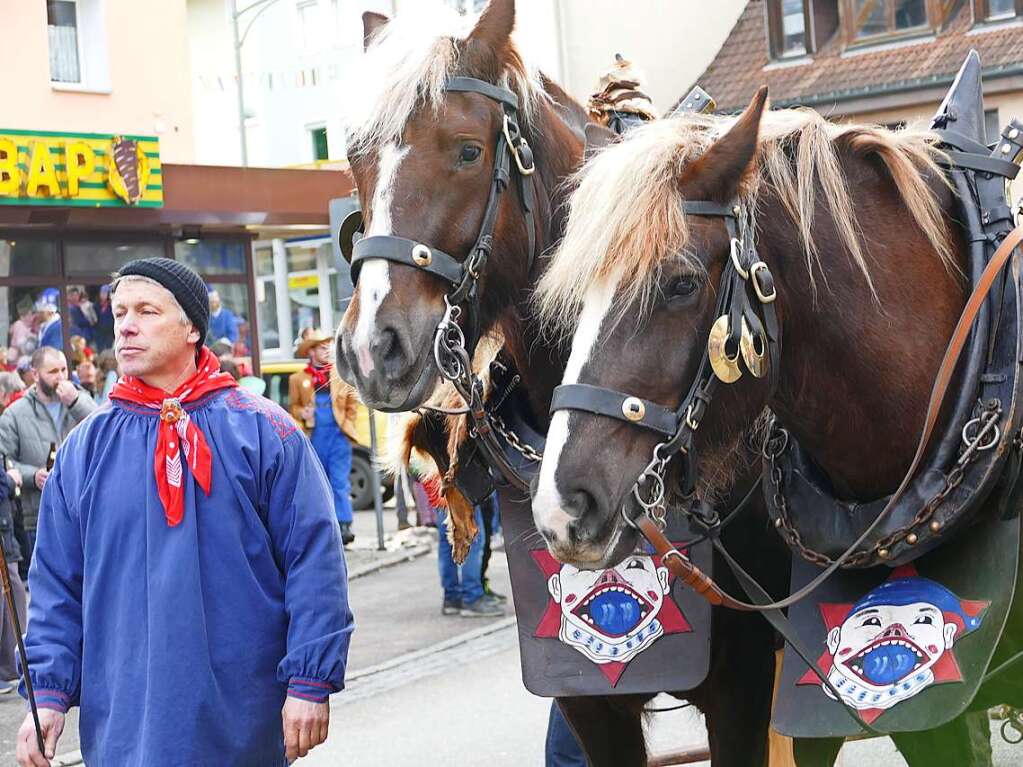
<point x="403" y="251"/>
<point x="482" y="87"/>
<point x="983" y="163"/>
<point x="707" y="208"/>
<point x="610" y="403"/>
<point x="690" y="574"/>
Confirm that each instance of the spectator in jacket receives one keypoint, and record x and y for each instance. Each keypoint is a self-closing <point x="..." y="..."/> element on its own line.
<point x="223" y="323"/>
<point x="44" y="417"/>
<point x="325" y="407"/>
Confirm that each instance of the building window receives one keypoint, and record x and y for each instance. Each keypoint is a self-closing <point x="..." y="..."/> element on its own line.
<point x="997" y="10"/>
<point x="788" y="28"/>
<point x="870" y="19"/>
<point x="62" y="25"/>
<point x="319" y="137"/>
<point x="992" y="129"/>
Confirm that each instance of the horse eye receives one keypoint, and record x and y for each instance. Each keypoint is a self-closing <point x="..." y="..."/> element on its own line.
<point x="470" y="153"/>
<point x="680" y="287"/>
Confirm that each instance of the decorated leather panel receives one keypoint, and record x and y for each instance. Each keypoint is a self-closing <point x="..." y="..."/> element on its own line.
<point x="906" y="648"/>
<point x="628" y="629"/>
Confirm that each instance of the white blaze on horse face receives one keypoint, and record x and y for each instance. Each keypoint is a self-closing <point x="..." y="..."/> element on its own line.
<point x="548" y="511"/>
<point x="375" y="277"/>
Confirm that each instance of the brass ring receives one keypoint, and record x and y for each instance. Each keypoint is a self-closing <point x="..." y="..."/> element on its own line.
<point x="633" y="409"/>
<point x="421" y="255"/>
<point x="735" y="246"/>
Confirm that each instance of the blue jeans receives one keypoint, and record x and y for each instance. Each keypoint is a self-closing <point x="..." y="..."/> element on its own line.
<point x="561" y="748"/>
<point x="461" y="583"/>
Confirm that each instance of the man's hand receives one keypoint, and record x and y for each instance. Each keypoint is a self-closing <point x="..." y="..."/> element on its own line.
<point x="15" y="476"/>
<point x="41" y="475"/>
<point x="67" y="393"/>
<point x="27" y="752"/>
<point x="305" y="726"/>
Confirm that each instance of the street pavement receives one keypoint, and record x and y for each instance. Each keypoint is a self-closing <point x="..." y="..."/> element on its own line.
<point x="425" y="689"/>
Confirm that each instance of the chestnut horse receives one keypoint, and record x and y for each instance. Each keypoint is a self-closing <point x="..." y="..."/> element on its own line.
<point x="422" y="158"/>
<point x="858" y="228"/>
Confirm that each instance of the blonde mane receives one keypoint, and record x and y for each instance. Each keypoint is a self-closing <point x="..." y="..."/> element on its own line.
<point x="406" y="67"/>
<point x="626" y="220"/>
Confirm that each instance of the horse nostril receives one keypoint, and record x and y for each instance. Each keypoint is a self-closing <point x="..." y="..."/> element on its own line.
<point x="583" y="507"/>
<point x="387" y="351"/>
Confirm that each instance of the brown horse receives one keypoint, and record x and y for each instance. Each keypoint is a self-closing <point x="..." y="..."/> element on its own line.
<point x="422" y="160"/>
<point x="857" y="226"/>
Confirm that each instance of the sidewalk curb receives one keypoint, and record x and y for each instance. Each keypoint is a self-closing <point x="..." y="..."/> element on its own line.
<point x="69" y="759"/>
<point x="447" y="644"/>
<point x="394" y="558"/>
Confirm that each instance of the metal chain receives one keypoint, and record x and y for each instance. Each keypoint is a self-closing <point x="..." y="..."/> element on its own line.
<point x="985" y="435"/>
<point x="654" y="504"/>
<point x="1012" y="724"/>
<point x="525" y="450"/>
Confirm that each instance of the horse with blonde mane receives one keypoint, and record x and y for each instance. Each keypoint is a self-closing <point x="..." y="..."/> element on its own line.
<point x="423" y="155"/>
<point x="858" y="227"/>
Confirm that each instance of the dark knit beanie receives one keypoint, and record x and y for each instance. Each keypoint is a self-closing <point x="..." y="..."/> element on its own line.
<point x="187" y="287"/>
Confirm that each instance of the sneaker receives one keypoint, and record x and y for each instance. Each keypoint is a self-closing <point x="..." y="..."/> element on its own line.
<point x="487" y="591"/>
<point x="484" y="607"/>
<point x="347" y="536"/>
<point x="451" y="607"/>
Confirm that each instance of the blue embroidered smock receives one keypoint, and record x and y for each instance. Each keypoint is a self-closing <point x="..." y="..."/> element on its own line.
<point x="181" y="643"/>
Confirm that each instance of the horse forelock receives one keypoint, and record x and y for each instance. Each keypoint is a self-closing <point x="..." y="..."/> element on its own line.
<point x="410" y="60"/>
<point x="623" y="231"/>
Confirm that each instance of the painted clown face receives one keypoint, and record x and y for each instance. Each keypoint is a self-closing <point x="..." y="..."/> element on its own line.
<point x="610" y="615"/>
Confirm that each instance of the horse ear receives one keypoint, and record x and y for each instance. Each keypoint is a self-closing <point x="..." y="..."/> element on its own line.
<point x="371" y="24"/>
<point x="598" y="137"/>
<point x="718" y="174"/>
<point x="495" y="25"/>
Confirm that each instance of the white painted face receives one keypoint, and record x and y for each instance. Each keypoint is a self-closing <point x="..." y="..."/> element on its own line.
<point x="375" y="277"/>
<point x="549" y="514"/>
<point x="885" y="654"/>
<point x="610" y="615"/>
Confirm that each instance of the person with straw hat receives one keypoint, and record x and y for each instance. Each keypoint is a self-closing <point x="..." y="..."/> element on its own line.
<point x="325" y="407"/>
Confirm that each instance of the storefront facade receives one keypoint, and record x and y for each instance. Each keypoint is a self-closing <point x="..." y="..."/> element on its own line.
<point x="75" y="208"/>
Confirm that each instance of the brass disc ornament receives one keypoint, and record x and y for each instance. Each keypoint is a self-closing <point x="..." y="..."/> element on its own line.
<point x="422" y="255"/>
<point x="724" y="366"/>
<point x="754" y="351"/>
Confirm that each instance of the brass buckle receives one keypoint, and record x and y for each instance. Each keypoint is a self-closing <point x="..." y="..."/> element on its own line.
<point x="514" y="149"/>
<point x="171" y="411"/>
<point x="760" y="266"/>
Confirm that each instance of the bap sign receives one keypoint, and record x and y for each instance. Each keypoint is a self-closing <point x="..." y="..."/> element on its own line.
<point x="79" y="169"/>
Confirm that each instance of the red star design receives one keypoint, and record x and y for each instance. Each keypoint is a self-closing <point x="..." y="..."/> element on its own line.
<point x="671" y="617"/>
<point x="946" y="669"/>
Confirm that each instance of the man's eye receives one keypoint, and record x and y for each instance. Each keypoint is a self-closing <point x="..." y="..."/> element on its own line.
<point x="470" y="153"/>
<point x="634" y="564"/>
<point x="924" y="620"/>
<point x="871" y="622"/>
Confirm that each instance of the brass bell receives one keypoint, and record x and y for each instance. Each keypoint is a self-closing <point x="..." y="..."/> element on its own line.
<point x="754" y="351"/>
<point x="725" y="367"/>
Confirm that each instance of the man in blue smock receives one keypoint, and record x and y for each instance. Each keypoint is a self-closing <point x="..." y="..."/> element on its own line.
<point x="223" y="322"/>
<point x="326" y="407"/>
<point x="188" y="589"/>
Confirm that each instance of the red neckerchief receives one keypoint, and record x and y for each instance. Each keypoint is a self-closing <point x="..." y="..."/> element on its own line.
<point x="321" y="376"/>
<point x="177" y="432"/>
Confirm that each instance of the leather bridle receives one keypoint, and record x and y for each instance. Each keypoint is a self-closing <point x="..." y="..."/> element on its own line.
<point x="741" y="334"/>
<point x="455" y="340"/>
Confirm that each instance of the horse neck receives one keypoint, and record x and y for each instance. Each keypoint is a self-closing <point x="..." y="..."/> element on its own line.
<point x="539" y="359"/>
<point x="856" y="371"/>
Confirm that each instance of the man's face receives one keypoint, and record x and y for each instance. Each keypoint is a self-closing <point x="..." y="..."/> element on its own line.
<point x="149" y="337"/>
<point x="321" y="354"/>
<point x="880" y="646"/>
<point x="214" y="301"/>
<point x="87" y="373"/>
<point x="51" y="372"/>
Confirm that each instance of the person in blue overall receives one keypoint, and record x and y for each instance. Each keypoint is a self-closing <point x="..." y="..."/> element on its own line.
<point x="189" y="591"/>
<point x="325" y="406"/>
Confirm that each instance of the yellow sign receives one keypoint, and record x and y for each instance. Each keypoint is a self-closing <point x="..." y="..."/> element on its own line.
<point x="80" y="169"/>
<point x="303" y="281"/>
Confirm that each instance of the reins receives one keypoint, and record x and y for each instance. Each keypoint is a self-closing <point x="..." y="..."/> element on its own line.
<point x="458" y="332"/>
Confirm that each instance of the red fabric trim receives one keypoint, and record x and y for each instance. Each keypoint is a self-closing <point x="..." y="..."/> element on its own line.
<point x="310" y="682"/>
<point x="311" y="698"/>
<point x="177" y="427"/>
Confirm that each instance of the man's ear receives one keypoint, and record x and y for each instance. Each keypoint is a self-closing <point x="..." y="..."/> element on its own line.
<point x="718" y="174"/>
<point x="554" y="587"/>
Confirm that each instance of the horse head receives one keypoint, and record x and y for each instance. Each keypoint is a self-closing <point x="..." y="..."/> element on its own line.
<point x="444" y="161"/>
